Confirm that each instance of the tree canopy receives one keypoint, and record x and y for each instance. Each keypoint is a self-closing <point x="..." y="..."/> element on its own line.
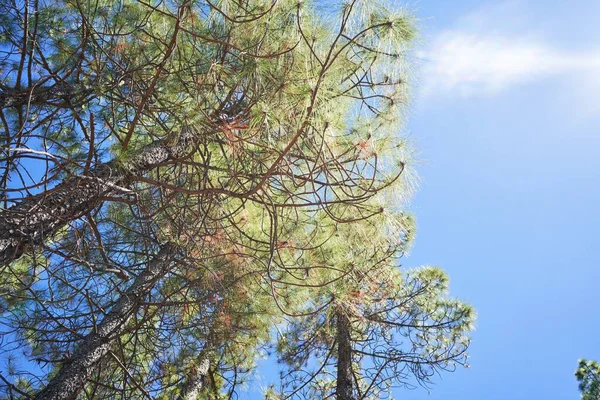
<point x="187" y="185"/>
<point x="588" y="376"/>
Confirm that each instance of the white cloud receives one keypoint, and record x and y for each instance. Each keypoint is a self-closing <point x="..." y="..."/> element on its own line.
<point x="490" y="54"/>
<point x="468" y="64"/>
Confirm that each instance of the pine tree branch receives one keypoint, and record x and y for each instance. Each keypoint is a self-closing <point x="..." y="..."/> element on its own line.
<point x="55" y="94"/>
<point x="37" y="218"/>
<point x="74" y="374"/>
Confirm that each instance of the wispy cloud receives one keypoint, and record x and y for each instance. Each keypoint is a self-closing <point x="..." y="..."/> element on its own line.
<point x="472" y="62"/>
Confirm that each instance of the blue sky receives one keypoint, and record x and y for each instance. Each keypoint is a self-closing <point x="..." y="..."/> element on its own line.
<point x="507" y="122"/>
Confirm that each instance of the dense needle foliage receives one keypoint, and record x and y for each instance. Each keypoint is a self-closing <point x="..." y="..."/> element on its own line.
<point x="189" y="184"/>
<point x="588" y="376"/>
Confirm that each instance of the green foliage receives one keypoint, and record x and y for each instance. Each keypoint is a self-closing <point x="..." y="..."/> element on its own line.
<point x="404" y="326"/>
<point x="588" y="376"/>
<point x="17" y="280"/>
<point x="285" y="200"/>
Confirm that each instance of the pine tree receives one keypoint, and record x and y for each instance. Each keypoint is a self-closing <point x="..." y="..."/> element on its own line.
<point x="588" y="376"/>
<point x="180" y="178"/>
<point x="380" y="328"/>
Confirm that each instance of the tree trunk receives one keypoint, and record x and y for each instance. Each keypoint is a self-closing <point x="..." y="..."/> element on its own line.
<point x="194" y="383"/>
<point x="29" y="222"/>
<point x="344" y="357"/>
<point x="74" y="374"/>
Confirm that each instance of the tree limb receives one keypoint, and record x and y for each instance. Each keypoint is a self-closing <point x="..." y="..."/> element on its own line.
<point x="74" y="374"/>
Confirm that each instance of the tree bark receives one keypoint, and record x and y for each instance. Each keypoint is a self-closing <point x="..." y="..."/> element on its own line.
<point x="74" y="374"/>
<point x="194" y="383"/>
<point x="58" y="93"/>
<point x="35" y="218"/>
<point x="344" y="357"/>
